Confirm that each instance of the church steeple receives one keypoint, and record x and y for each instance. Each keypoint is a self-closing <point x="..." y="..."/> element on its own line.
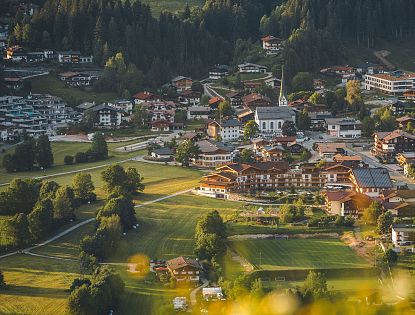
<point x="283" y="101"/>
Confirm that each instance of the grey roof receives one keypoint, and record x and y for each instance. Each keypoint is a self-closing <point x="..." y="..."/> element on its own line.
<point x="319" y="115"/>
<point x="274" y="112"/>
<point x="372" y="177"/>
<point x="199" y="108"/>
<point x="231" y="123"/>
<point x="342" y="121"/>
<point x="180" y="78"/>
<point x="86" y="105"/>
<point x="104" y="106"/>
<point x="163" y="151"/>
<point x="210" y="146"/>
<point x="249" y="64"/>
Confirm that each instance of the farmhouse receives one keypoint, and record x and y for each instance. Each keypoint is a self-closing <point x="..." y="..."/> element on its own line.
<point x="271" y="119"/>
<point x="255" y="100"/>
<point x="226" y="130"/>
<point x="125" y="106"/>
<point x="189" y="98"/>
<point x="344" y="127"/>
<point x="218" y="72"/>
<point x="146" y="96"/>
<point x="389" y="144"/>
<point x="401" y="203"/>
<point x="272" y="153"/>
<point x="235" y="99"/>
<point x="271" y="44"/>
<point x="251" y="68"/>
<point x="184" y="269"/>
<point x="182" y="83"/>
<point x="404" y="121"/>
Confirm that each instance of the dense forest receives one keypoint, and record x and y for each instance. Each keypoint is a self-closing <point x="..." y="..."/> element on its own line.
<point x="190" y="42"/>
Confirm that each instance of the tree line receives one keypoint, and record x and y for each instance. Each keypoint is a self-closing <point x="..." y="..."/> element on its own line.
<point x="37" y="208"/>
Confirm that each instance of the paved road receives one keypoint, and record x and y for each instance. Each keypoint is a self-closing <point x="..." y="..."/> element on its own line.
<point x="163" y="198"/>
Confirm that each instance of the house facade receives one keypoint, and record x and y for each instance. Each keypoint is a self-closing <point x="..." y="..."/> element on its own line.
<point x="251" y="68"/>
<point x="182" y="83"/>
<point x="184" y="269"/>
<point x="214" y="154"/>
<point x="393" y="83"/>
<point x="370" y="181"/>
<point x="389" y="144"/>
<point x="198" y="112"/>
<point x="344" y="127"/>
<point x="226" y="130"/>
<point x="107" y="116"/>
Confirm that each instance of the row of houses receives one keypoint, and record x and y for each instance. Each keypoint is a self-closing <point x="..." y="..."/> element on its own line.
<point x="18" y="54"/>
<point x="33" y="115"/>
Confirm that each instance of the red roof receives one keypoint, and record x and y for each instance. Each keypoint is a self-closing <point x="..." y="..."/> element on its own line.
<point x="215" y="99"/>
<point x="145" y="95"/>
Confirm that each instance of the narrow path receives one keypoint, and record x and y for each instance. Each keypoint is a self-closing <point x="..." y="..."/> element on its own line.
<point x="77" y="171"/>
<point x="193" y="299"/>
<point x="381" y="55"/>
<point x="59" y="235"/>
<point x="26" y="251"/>
<point x="163" y="198"/>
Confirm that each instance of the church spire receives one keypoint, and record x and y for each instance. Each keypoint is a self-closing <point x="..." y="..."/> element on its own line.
<point x="282" y="101"/>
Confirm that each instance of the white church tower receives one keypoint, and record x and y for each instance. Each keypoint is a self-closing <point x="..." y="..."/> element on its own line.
<point x="282" y="101"/>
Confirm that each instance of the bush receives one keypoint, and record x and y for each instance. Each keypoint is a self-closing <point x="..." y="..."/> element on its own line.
<point x="81" y="157"/>
<point x="68" y="160"/>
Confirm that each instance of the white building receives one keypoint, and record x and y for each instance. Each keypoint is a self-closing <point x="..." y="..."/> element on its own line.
<point x="251" y="68"/>
<point x="228" y="130"/>
<point x="344" y="127"/>
<point x="393" y="83"/>
<point x="271" y="119"/>
<point x="107" y="116"/>
<point x="403" y="234"/>
<point x="198" y="112"/>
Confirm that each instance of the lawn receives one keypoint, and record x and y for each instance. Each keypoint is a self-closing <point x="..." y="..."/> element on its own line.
<point x="157" y="6"/>
<point x="49" y="84"/>
<point x="298" y="254"/>
<point x="167" y="227"/>
<point x="36" y="285"/>
<point x="60" y="150"/>
<point x="247" y="76"/>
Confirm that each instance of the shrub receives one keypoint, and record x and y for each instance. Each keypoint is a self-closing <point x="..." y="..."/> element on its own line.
<point x="68" y="160"/>
<point x="81" y="157"/>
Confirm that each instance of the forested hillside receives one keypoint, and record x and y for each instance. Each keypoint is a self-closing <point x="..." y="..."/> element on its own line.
<point x="317" y="29"/>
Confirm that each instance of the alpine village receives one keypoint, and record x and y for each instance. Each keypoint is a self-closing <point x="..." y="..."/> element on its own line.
<point x="221" y="157"/>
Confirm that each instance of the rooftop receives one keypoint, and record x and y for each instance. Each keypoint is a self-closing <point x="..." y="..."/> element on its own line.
<point x="372" y="177"/>
<point x="181" y="262"/>
<point x="274" y="112"/>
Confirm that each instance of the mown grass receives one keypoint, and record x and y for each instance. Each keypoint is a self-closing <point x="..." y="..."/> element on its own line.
<point x="36" y="285"/>
<point x="167" y="228"/>
<point x="49" y="84"/>
<point x="293" y="254"/>
<point x="60" y="150"/>
<point x="157" y="6"/>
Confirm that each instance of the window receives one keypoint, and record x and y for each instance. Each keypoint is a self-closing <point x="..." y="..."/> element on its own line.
<point x="271" y="125"/>
<point x="264" y="125"/>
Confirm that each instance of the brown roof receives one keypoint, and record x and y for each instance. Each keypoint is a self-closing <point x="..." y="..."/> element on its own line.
<point x="405" y="118"/>
<point x="389" y="77"/>
<point x="337" y="195"/>
<point x="393" y="134"/>
<point x="181" y="262"/>
<point x="404" y="193"/>
<point x="255" y="97"/>
<point x="340" y="158"/>
<point x="145" y="95"/>
<point x="330" y="147"/>
<point x="215" y="99"/>
<point x="284" y="139"/>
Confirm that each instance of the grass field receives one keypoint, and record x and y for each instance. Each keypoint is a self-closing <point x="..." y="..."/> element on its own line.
<point x="157" y="6"/>
<point x="60" y="150"/>
<point x="167" y="228"/>
<point x="293" y="254"/>
<point x="36" y="285"/>
<point x="49" y="84"/>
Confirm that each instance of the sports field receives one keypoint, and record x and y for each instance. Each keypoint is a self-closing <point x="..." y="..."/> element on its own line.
<point x="298" y="253"/>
